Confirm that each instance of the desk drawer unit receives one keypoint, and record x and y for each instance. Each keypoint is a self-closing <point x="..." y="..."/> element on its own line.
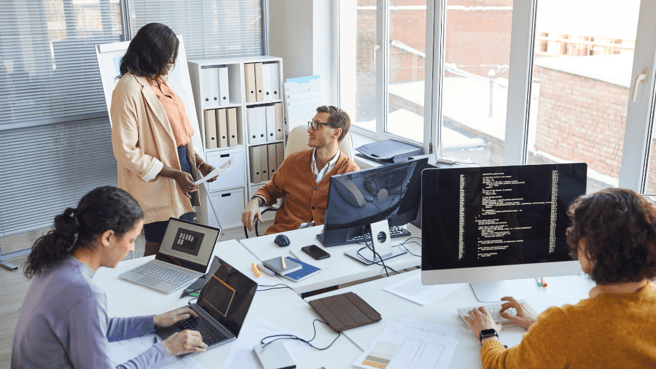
<point x="235" y="177"/>
<point x="228" y="205"/>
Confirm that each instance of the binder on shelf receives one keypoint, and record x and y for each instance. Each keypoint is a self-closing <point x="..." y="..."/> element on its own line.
<point x="264" y="163"/>
<point x="270" y="123"/>
<point x="266" y="82"/>
<point x="210" y="129"/>
<point x="233" y="131"/>
<point x="259" y="89"/>
<point x="254" y="153"/>
<point x="214" y="87"/>
<point x="224" y="86"/>
<point x="261" y="125"/>
<point x="222" y="130"/>
<point x="275" y="81"/>
<point x="279" y="126"/>
<point x="251" y="123"/>
<point x="271" y="155"/>
<point x="205" y="88"/>
<point x="280" y="154"/>
<point x="249" y="74"/>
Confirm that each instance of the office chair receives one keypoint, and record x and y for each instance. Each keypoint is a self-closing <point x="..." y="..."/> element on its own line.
<point x="297" y="140"/>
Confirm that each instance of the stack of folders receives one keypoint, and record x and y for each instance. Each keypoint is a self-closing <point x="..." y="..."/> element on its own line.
<point x="215" y="86"/>
<point x="296" y="270"/>
<point x="221" y="128"/>
<point x="265" y="160"/>
<point x="302" y="96"/>
<point x="262" y="82"/>
<point x="265" y="124"/>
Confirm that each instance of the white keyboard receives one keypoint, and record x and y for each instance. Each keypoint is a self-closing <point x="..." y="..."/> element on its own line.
<point x="494" y="309"/>
<point x="165" y="274"/>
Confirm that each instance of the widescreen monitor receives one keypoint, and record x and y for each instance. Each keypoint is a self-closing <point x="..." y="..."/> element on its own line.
<point x="486" y="224"/>
<point x="356" y="200"/>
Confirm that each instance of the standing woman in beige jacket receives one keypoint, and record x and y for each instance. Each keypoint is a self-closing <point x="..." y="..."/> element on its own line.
<point x="151" y="134"/>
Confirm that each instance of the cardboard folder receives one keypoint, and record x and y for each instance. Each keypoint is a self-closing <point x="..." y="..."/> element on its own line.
<point x="259" y="88"/>
<point x="249" y="74"/>
<point x="271" y="155"/>
<point x="255" y="163"/>
<point x="279" y="122"/>
<point x="222" y="130"/>
<point x="264" y="163"/>
<point x="280" y="154"/>
<point x="266" y="82"/>
<point x="233" y="128"/>
<point x="224" y="86"/>
<point x="270" y="123"/>
<point x="210" y="129"/>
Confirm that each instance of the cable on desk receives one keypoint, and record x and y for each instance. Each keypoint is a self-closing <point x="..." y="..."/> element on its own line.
<point x="294" y="337"/>
<point x="192" y="299"/>
<point x="402" y="244"/>
<point x="269" y="287"/>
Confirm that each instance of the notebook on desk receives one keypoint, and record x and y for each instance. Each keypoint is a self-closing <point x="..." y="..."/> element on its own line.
<point x="306" y="271"/>
<point x="183" y="257"/>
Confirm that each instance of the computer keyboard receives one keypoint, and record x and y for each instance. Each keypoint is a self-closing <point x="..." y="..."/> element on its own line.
<point x="395" y="232"/>
<point x="209" y="333"/>
<point x="493" y="309"/>
<point x="169" y="275"/>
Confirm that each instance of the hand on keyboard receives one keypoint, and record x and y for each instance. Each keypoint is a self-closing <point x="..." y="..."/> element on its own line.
<point x="524" y="315"/>
<point x="184" y="342"/>
<point x="479" y="319"/>
<point x="173" y="316"/>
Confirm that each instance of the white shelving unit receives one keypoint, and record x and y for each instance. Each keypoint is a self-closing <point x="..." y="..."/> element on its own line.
<point x="230" y="193"/>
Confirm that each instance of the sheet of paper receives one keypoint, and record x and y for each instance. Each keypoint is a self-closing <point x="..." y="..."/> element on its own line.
<point x="412" y="289"/>
<point x="241" y="354"/>
<point x="122" y="351"/>
<point x="430" y="328"/>
<point x="399" y="347"/>
<point x="224" y="167"/>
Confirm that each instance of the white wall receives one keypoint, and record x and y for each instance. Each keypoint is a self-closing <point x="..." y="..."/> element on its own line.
<point x="301" y="33"/>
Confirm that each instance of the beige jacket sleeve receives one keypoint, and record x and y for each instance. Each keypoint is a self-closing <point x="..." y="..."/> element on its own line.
<point x="126" y="111"/>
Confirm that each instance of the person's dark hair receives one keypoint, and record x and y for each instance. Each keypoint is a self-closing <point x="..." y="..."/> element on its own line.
<point x="618" y="228"/>
<point x="150" y="51"/>
<point x="338" y="119"/>
<point x="103" y="209"/>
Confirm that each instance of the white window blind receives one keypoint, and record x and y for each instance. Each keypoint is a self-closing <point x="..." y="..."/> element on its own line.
<point x="210" y="28"/>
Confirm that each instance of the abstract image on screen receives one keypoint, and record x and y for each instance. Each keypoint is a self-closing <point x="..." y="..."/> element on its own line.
<point x="218" y="296"/>
<point x="188" y="241"/>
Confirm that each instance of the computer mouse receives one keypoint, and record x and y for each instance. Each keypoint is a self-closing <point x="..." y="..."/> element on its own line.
<point x="350" y="192"/>
<point x="281" y="240"/>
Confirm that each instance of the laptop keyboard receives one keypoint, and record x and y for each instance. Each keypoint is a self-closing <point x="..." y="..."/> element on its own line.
<point x="209" y="333"/>
<point x="169" y="275"/>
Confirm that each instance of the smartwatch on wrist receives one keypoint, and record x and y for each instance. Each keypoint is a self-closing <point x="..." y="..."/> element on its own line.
<point x="487" y="333"/>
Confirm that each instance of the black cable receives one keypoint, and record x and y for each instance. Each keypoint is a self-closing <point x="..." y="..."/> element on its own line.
<point x="277" y="286"/>
<point x="294" y="337"/>
<point x="192" y="299"/>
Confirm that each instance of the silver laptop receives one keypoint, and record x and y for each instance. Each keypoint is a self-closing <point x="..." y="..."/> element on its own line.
<point x="183" y="257"/>
<point x="222" y="306"/>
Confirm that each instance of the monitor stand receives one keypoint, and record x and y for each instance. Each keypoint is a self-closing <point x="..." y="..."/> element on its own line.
<point x="382" y="243"/>
<point x="493" y="291"/>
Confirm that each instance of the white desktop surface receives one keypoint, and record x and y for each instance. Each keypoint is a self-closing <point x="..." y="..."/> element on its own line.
<point x="338" y="268"/>
<point x="560" y="291"/>
<point x="281" y="307"/>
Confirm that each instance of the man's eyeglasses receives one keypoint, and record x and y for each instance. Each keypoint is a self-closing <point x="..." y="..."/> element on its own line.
<point x="315" y="125"/>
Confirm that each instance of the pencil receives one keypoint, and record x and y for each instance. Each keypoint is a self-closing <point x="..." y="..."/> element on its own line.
<point x="282" y="262"/>
<point x="257" y="272"/>
<point x="294" y="255"/>
<point x="544" y="282"/>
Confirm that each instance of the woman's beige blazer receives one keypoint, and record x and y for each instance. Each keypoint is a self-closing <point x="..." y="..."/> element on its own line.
<point x="143" y="143"/>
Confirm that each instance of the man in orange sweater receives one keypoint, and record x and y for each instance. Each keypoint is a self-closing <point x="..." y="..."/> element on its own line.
<point x="304" y="177"/>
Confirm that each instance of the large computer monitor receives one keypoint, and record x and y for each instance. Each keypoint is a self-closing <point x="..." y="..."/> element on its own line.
<point x="483" y="225"/>
<point x="358" y="200"/>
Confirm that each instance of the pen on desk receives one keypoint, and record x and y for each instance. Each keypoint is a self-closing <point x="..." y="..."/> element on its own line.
<point x="538" y="281"/>
<point x="282" y="262"/>
<point x="257" y="273"/>
<point x="544" y="282"/>
<point x="294" y="255"/>
<point x="265" y="270"/>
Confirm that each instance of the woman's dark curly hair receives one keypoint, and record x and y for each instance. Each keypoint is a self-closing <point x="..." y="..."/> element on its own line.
<point x="618" y="227"/>
<point x="105" y="208"/>
<point x="150" y="51"/>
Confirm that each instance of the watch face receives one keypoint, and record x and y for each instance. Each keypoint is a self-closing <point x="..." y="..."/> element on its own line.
<point x="488" y="332"/>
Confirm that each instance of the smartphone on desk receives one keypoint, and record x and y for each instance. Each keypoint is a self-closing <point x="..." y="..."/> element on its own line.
<point x="316" y="252"/>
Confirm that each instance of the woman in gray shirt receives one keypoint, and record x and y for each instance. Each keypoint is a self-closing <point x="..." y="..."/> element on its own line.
<point x="63" y="321"/>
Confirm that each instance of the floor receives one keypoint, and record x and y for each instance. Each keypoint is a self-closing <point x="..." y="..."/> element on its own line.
<point x="14" y="287"/>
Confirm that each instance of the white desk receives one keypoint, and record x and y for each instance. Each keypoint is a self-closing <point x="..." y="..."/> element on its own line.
<point x="561" y="290"/>
<point x="281" y="307"/>
<point x="338" y="268"/>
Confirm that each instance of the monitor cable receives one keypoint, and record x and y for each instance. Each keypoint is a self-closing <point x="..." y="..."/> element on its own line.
<point x="295" y="337"/>
<point x="277" y="286"/>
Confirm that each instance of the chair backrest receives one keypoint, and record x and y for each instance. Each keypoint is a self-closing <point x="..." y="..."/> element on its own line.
<point x="297" y="140"/>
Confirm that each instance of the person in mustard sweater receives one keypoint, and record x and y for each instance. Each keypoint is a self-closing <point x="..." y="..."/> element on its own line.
<point x="304" y="177"/>
<point x="613" y="233"/>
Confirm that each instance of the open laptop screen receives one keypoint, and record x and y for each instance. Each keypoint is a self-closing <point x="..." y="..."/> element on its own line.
<point x="189" y="245"/>
<point x="227" y="296"/>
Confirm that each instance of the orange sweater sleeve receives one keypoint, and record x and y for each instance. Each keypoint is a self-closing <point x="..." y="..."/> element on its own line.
<point x="545" y="345"/>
